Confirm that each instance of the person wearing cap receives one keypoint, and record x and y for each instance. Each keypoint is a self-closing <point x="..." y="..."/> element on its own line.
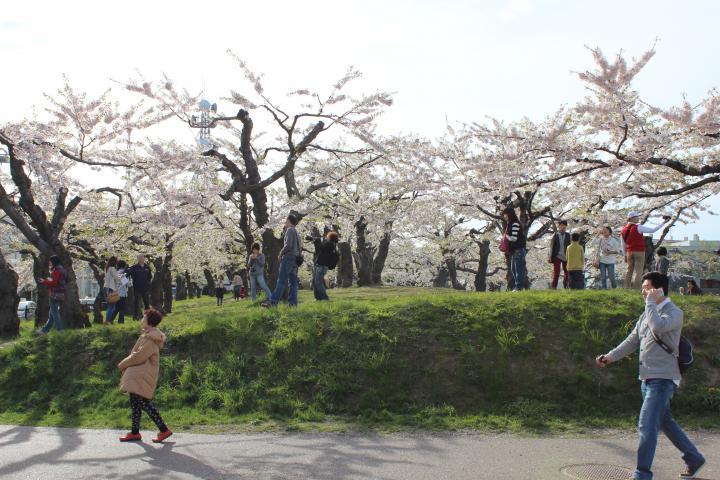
<point x="632" y="235"/>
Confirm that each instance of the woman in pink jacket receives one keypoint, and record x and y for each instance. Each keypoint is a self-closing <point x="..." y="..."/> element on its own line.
<point x="140" y="372"/>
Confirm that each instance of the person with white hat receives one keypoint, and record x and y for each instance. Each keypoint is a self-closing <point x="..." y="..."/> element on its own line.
<point x="634" y="240"/>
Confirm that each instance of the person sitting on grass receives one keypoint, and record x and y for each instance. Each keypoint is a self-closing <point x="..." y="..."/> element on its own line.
<point x="140" y="372"/>
<point x="576" y="263"/>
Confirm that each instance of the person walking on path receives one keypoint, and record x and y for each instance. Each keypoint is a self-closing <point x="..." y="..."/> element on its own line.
<point x="237" y="285"/>
<point x="256" y="272"/>
<point x="141" y="276"/>
<point x="634" y="240"/>
<point x="607" y="250"/>
<point x="140" y="372"/>
<point x="558" y="244"/>
<point x="327" y="258"/>
<point x="659" y="376"/>
<point x="111" y="286"/>
<point x="220" y="290"/>
<point x="289" y="255"/>
<point x="662" y="263"/>
<point x="514" y="237"/>
<point x="56" y="287"/>
<point x="576" y="263"/>
<point x="123" y="291"/>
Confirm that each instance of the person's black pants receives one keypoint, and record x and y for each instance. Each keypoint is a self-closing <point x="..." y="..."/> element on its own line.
<point x="145" y="297"/>
<point x="137" y="404"/>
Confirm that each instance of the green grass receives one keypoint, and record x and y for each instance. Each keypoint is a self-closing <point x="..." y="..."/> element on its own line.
<point x="384" y="359"/>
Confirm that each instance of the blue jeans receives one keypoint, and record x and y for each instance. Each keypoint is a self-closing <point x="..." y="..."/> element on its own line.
<point x="517" y="268"/>
<point x="111" y="307"/>
<point x="255" y="281"/>
<point x="319" y="282"/>
<point x="655" y="416"/>
<point x="607" y="270"/>
<point x="288" y="273"/>
<point x="53" y="318"/>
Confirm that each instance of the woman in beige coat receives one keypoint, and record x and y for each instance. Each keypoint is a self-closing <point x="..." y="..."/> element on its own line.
<point x="140" y="372"/>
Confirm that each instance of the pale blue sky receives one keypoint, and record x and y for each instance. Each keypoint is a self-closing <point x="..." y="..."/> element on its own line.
<point x="454" y="60"/>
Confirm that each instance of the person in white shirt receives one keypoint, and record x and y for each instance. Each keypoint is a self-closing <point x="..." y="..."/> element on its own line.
<point x="607" y="250"/>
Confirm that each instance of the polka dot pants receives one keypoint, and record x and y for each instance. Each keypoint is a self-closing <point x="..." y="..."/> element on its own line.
<point x="137" y="404"/>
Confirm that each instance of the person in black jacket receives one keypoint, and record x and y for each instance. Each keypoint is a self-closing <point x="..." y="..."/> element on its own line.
<point x="515" y="237"/>
<point x="557" y="258"/>
<point x="326" y="258"/>
<point x="141" y="277"/>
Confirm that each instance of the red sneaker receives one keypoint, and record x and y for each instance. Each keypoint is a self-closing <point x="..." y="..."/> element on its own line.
<point x="131" y="437"/>
<point x="162" y="436"/>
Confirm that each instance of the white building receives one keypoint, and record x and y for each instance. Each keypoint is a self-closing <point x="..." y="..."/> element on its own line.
<point x="694" y="245"/>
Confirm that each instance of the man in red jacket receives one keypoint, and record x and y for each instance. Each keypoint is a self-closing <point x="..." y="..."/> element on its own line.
<point x="634" y="240"/>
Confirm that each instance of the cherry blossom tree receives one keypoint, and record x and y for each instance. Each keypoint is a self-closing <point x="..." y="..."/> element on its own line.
<point x="42" y="190"/>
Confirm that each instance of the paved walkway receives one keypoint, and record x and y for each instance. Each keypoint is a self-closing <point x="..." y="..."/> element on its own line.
<point x="50" y="453"/>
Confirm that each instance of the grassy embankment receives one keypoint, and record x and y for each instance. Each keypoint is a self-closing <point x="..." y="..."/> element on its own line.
<point x="387" y="359"/>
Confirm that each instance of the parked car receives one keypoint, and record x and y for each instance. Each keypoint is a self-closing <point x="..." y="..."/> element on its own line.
<point x="26" y="310"/>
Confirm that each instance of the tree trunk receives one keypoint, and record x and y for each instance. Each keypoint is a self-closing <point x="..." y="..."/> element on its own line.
<point x="9" y="300"/>
<point x="271" y="249"/>
<point x="451" y="267"/>
<point x="481" y="275"/>
<point x="441" y="277"/>
<point x="210" y="280"/>
<point x="649" y="254"/>
<point x="345" y="265"/>
<point x="156" y="284"/>
<point x="71" y="310"/>
<point x="190" y="286"/>
<point x="41" y="270"/>
<point x="382" y="253"/>
<point x="364" y="254"/>
<point x="167" y="279"/>
<point x="99" y="275"/>
<point x="180" y="288"/>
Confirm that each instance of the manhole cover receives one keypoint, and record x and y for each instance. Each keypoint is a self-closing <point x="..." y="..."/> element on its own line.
<point x="597" y="472"/>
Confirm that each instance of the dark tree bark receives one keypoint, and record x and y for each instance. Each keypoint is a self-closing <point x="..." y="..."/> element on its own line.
<point x="41" y="269"/>
<point x="442" y="277"/>
<point x="9" y="300"/>
<point x="271" y="249"/>
<point x="99" y="275"/>
<point x="370" y="259"/>
<point x="382" y="253"/>
<point x="482" y="273"/>
<point x="191" y="291"/>
<point x="345" y="265"/>
<point x="167" y="278"/>
<point x="180" y="288"/>
<point x="210" y="280"/>
<point x="156" y="284"/>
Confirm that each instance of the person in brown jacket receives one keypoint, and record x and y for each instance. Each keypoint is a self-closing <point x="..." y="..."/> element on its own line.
<point x="140" y="372"/>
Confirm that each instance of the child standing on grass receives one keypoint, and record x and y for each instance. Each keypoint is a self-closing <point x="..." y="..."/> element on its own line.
<point x="140" y="372"/>
<point x="576" y="263"/>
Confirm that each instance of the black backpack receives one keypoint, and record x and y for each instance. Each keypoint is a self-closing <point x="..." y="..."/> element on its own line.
<point x="684" y="356"/>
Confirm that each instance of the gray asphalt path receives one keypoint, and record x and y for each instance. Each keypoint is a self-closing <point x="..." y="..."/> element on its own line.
<point x="64" y="453"/>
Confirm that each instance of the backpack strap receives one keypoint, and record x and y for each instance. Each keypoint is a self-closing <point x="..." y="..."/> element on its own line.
<point x="664" y="345"/>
